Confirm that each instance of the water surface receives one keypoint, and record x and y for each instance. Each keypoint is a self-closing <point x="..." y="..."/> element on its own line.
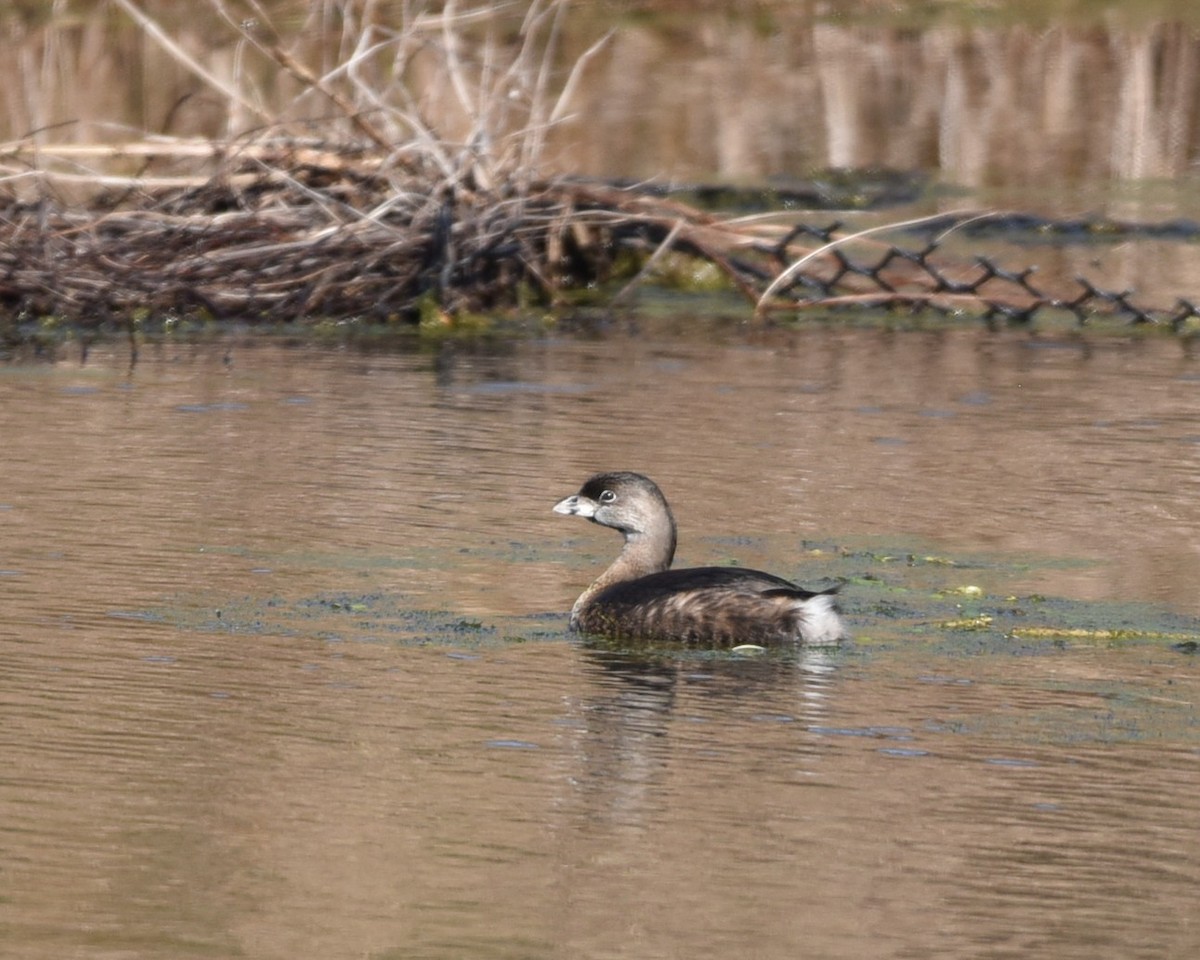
<point x="286" y="673"/>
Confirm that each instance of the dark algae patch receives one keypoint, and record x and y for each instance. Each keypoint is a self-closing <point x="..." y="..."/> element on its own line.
<point x="894" y="596"/>
<point x="367" y="618"/>
<point x="914" y="597"/>
<point x="1020" y="668"/>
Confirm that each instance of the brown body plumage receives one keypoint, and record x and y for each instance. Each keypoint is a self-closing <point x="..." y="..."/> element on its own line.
<point x="640" y="597"/>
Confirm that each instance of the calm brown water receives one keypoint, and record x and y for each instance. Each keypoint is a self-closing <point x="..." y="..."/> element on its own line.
<point x="221" y="737"/>
<point x="281" y="627"/>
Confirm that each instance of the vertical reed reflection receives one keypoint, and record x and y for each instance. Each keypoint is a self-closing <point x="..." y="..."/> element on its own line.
<point x="787" y="91"/>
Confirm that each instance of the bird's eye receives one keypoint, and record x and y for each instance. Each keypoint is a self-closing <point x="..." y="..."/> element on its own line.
<point x="607" y="496"/>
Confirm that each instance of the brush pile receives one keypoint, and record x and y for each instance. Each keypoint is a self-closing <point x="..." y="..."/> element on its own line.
<point x="287" y="230"/>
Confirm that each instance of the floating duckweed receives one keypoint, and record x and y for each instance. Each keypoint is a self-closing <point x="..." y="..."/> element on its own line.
<point x="1081" y="633"/>
<point x="967" y="623"/>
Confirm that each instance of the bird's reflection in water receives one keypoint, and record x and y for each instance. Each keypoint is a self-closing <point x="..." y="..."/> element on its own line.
<point x="646" y="715"/>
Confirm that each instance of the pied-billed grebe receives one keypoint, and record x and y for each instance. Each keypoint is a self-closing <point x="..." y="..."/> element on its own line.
<point x="639" y="597"/>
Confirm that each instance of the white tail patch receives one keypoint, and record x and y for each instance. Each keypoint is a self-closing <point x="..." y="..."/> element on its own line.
<point x="820" y="624"/>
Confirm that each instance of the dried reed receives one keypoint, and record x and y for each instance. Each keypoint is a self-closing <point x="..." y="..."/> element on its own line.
<point x="381" y="214"/>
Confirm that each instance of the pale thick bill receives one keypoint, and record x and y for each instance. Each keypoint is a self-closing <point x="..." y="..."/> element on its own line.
<point x="575" y="505"/>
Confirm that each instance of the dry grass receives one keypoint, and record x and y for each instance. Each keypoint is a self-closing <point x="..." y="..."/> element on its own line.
<point x="386" y="211"/>
<point x="376" y="214"/>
